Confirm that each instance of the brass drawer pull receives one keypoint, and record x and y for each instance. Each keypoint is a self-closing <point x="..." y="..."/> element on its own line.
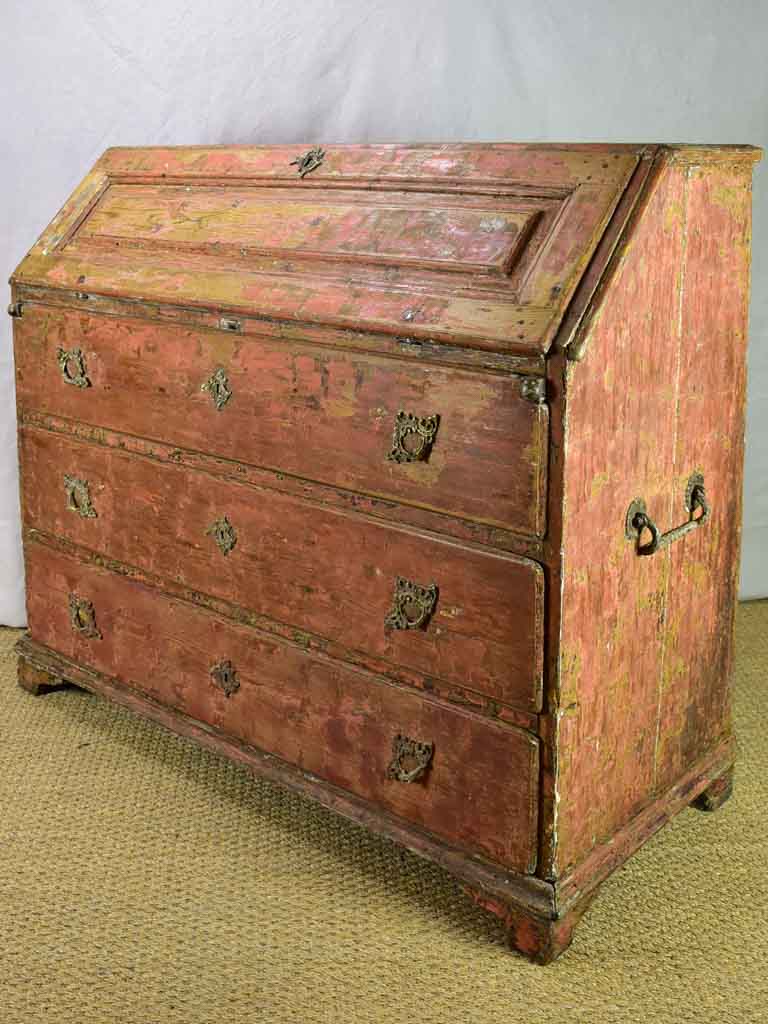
<point x="638" y="519"/>
<point x="72" y="366"/>
<point x="224" y="676"/>
<point x="83" y="617"/>
<point x="218" y="387"/>
<point x="410" y="759"/>
<point x="223" y="533"/>
<point x="79" y="497"/>
<point x="412" y="605"/>
<point x="413" y="437"/>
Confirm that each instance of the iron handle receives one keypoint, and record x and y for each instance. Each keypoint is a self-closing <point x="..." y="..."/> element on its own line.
<point x="638" y="519"/>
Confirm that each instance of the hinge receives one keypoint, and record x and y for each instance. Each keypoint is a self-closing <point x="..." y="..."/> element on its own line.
<point x="16" y="309"/>
<point x="534" y="390"/>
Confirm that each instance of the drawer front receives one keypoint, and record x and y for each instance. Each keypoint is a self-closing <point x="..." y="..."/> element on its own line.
<point x="333" y="574"/>
<point x="468" y="445"/>
<point x="471" y="782"/>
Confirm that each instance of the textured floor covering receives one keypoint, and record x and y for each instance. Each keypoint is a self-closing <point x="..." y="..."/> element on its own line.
<point x="145" y="881"/>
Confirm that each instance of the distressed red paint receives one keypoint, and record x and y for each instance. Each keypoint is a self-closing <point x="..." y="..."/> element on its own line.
<point x="576" y="317"/>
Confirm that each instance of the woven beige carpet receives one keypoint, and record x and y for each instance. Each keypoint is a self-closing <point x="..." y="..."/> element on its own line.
<point x="144" y="881"/>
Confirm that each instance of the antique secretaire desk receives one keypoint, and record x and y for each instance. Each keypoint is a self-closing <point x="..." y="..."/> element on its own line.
<point x="409" y="476"/>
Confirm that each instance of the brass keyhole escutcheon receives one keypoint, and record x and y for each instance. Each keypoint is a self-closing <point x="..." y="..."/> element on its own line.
<point x="224" y="534"/>
<point x="309" y="161"/>
<point x="224" y="676"/>
<point x="412" y="605"/>
<point x="79" y="497"/>
<point x="410" y="759"/>
<point x="414" y="444"/>
<point x="72" y="366"/>
<point x="413" y="437"/>
<point x="83" y="617"/>
<point x="218" y="388"/>
<point x="412" y="610"/>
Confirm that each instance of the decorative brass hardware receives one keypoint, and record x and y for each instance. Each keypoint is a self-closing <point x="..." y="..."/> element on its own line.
<point x="229" y="323"/>
<point x="533" y="389"/>
<point x="223" y="532"/>
<point x="412" y="605"/>
<point x="72" y="366"/>
<point x="637" y="519"/>
<point x="218" y="387"/>
<point x="16" y="310"/>
<point x="224" y="676"/>
<point x="309" y="162"/>
<point x="79" y="497"/>
<point x="83" y="617"/>
<point x="410" y="759"/>
<point x="413" y="437"/>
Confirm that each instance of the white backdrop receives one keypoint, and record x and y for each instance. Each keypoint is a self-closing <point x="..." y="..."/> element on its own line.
<point x="77" y="76"/>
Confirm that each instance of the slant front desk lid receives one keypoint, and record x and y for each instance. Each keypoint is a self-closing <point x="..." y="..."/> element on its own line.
<point x="479" y="245"/>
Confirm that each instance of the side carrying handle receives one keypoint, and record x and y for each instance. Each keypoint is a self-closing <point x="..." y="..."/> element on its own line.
<point x="638" y="519"/>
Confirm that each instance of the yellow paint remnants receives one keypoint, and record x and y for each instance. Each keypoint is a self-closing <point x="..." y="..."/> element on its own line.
<point x="599" y="480"/>
<point x="699" y="574"/>
<point x="342" y="408"/>
<point x="674" y="216"/>
<point x="571" y="665"/>
<point x="730" y="198"/>
<point x="452" y="612"/>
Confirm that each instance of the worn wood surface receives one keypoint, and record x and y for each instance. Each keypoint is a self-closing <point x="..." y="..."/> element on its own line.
<point x="695" y="697"/>
<point x="274" y="479"/>
<point x="617" y="445"/>
<point x="457" y="695"/>
<point x="646" y="642"/>
<point x="476" y="244"/>
<point x="433" y="279"/>
<point x="328" y="719"/>
<point x="542" y="940"/>
<point x="717" y="793"/>
<point x="41" y="667"/>
<point x="317" y="413"/>
<point x="475" y="234"/>
<point x="605" y="857"/>
<point x="311" y="567"/>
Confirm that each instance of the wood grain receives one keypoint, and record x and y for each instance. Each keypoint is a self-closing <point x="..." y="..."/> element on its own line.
<point x="646" y="642"/>
<point x="577" y="697"/>
<point x="505" y="290"/>
<point x="320" y="414"/>
<point x="390" y="230"/>
<point x="327" y="718"/>
<point x="695" y="697"/>
<point x="311" y="567"/>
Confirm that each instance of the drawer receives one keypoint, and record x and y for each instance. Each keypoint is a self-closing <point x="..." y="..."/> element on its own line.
<point x="331" y="573"/>
<point x="317" y="413"/>
<point x="473" y="782"/>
